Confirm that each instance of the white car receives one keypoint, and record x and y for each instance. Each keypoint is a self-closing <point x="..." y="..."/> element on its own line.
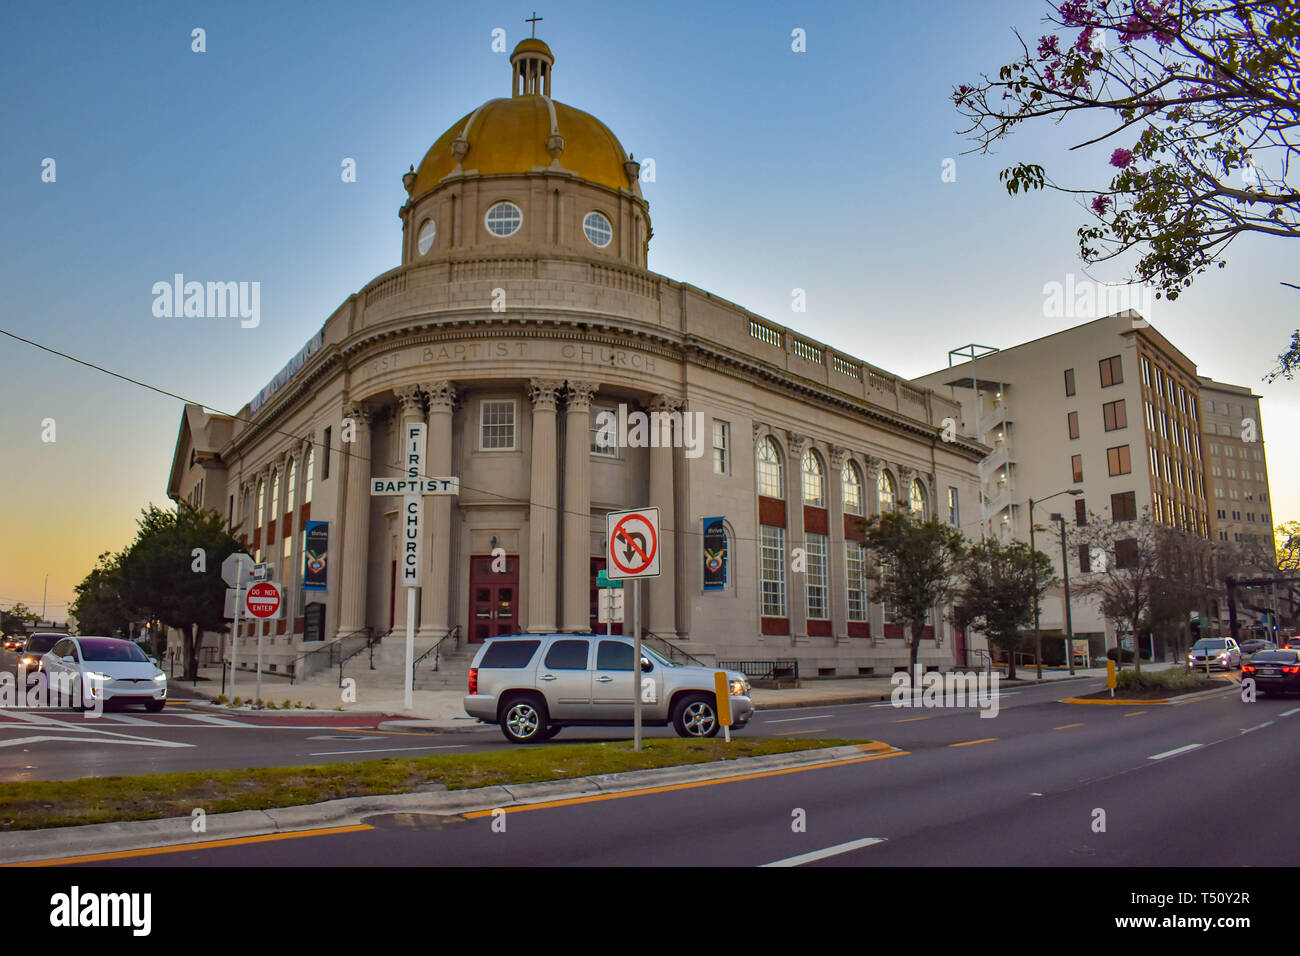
<point x="106" y="668"/>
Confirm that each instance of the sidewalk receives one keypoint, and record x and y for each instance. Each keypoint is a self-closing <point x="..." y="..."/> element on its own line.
<point x="444" y="709"/>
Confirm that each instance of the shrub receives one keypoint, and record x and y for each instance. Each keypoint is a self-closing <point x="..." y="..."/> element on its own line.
<point x="221" y="699"/>
<point x="1177" y="679"/>
<point x="287" y="704"/>
<point x="1114" y="652"/>
<point x="270" y="705"/>
<point x="237" y="702"/>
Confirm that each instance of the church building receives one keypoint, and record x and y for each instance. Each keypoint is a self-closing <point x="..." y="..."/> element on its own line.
<point x="558" y="379"/>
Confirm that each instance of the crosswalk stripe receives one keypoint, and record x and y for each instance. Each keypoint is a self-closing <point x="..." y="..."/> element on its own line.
<point x="209" y="719"/>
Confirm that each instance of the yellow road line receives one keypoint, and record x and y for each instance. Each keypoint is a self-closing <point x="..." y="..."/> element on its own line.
<point x="791" y="733"/>
<point x="1067" y="726"/>
<point x="908" y="720"/>
<point x="967" y="743"/>
<point x="187" y="847"/>
<point x="1136" y="713"/>
<point x="593" y="798"/>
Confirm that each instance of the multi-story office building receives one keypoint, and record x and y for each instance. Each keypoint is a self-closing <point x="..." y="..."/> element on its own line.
<point x="1103" y="419"/>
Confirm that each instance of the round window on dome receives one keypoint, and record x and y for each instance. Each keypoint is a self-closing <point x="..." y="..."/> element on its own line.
<point x="503" y="219"/>
<point x="428" y="232"/>
<point x="599" y="232"/>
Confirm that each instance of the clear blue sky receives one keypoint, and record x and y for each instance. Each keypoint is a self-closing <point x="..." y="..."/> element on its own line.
<point x="775" y="170"/>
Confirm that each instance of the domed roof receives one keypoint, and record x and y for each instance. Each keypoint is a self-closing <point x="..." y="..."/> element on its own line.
<point x="525" y="131"/>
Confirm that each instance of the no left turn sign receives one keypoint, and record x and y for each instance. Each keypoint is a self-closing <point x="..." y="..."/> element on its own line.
<point x="632" y="544"/>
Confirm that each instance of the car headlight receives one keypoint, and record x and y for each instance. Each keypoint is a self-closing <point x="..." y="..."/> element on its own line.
<point x="738" y="688"/>
<point x="95" y="676"/>
<point x="160" y="676"/>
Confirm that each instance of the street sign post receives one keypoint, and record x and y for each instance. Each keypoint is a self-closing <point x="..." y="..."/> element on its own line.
<point x="722" y="697"/>
<point x="609" y="606"/>
<point x="237" y="572"/>
<point x="412" y="485"/>
<point x="1110" y="677"/>
<point x="264" y="603"/>
<point x="632" y="552"/>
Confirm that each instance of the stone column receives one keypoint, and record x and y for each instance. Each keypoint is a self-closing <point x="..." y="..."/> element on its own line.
<point x="875" y="610"/>
<point x="543" y="553"/>
<point x="435" y="581"/>
<point x="905" y="478"/>
<point x="797" y="603"/>
<point x="839" y="594"/>
<point x="576" y="614"/>
<point x="356" y="527"/>
<point x="410" y="411"/>
<point x="661" y="592"/>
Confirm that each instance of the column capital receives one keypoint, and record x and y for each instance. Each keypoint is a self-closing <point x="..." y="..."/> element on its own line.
<point x="665" y="403"/>
<point x="874" y="467"/>
<point x="360" y="412"/>
<point x="838" y="457"/>
<point x="578" y="395"/>
<point x="411" y="400"/>
<point x="441" y="394"/>
<point x="798" y="445"/>
<point x="758" y="429"/>
<point x="544" y="393"/>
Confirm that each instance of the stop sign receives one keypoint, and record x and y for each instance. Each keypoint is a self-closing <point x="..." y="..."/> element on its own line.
<point x="263" y="600"/>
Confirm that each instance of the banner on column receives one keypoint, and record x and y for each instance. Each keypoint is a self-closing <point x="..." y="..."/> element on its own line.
<point x="715" y="554"/>
<point x="316" y="555"/>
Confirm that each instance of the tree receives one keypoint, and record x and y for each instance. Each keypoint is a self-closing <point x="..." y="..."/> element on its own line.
<point x="172" y="572"/>
<point x="1124" y="570"/>
<point x="1000" y="583"/>
<point x="1184" y="584"/>
<point x="16" y="619"/>
<point x="915" y="569"/>
<point x="1286" y="537"/>
<point x="1201" y="100"/>
<point x="99" y="607"/>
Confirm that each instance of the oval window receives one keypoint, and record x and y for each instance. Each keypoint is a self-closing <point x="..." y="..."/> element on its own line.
<point x="427" y="233"/>
<point x="504" y="219"/>
<point x="599" y="232"/>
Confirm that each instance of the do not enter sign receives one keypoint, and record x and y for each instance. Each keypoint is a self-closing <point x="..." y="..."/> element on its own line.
<point x="263" y="600"/>
<point x="632" y="544"/>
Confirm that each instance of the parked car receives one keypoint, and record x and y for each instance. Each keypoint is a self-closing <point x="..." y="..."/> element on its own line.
<point x="35" y="648"/>
<point x="108" y="668"/>
<point x="1293" y="643"/>
<point x="14" y="642"/>
<point x="1221" y="652"/>
<point x="1254" y="646"/>
<point x="533" y="685"/>
<point x="1275" y="672"/>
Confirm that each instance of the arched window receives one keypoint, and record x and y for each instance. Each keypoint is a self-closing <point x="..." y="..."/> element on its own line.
<point x="275" y="494"/>
<point x="261" y="501"/>
<point x="885" y="489"/>
<point x="814" y="480"/>
<point x="292" y="484"/>
<point x="771" y="482"/>
<point x="852" y="479"/>
<point x="310" y="467"/>
<point x="918" y="499"/>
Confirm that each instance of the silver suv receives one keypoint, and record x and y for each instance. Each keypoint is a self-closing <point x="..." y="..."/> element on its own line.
<point x="533" y="685"/>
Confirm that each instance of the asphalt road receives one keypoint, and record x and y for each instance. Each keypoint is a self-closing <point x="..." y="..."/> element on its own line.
<point x="1043" y="783"/>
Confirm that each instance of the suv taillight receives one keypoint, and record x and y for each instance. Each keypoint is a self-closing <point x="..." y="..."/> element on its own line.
<point x="473" y="680"/>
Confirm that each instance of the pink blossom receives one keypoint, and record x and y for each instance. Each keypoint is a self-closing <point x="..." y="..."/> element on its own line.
<point x="1100" y="204"/>
<point x="1048" y="46"/>
<point x="1075" y="13"/>
<point x="1121" y="158"/>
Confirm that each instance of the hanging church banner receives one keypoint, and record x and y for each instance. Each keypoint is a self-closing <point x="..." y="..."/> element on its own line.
<point x="316" y="556"/>
<point x="715" y="554"/>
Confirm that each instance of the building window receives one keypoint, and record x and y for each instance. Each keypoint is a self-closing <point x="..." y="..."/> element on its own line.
<point x="954" y="513"/>
<point x="1085" y="559"/>
<point x="851" y="478"/>
<point x="1123" y="507"/>
<point x="503" y="219"/>
<point x="1080" y="512"/>
<point x="772" y="570"/>
<point x="1151" y="416"/>
<point x="1146" y="372"/>
<point x="917" y="499"/>
<point x="291" y="486"/>
<point x="325" y="462"/>
<point x="428" y="231"/>
<point x="497" y="425"/>
<point x="814" y="480"/>
<point x="1126" y="553"/>
<point x="1076" y="467"/>
<point x="1117" y="460"/>
<point x="1112" y="372"/>
<point x="816" y="575"/>
<point x="597" y="230"/>
<point x="721" y="447"/>
<point x="261" y="502"/>
<point x="1114" y="415"/>
<point x="771" y="483"/>
<point x="1069" y="382"/>
<point x="604" y="440"/>
<point x="309" y="466"/>
<point x="1072" y="421"/>
<point x="855" y="563"/>
<point x="885" y="491"/>
<point x="275" y="494"/>
<point x="891" y="611"/>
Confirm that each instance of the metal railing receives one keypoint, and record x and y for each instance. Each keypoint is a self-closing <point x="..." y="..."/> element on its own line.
<point x="673" y="652"/>
<point x="328" y="655"/>
<point x="372" y="641"/>
<point x="452" y="635"/>
<point x="764" y="670"/>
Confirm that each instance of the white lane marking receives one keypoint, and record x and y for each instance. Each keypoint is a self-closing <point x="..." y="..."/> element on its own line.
<point x="969" y="706"/>
<point x="209" y="719"/>
<point x="786" y="720"/>
<point x="30" y="718"/>
<point x="125" y="719"/>
<point x="1288" y="713"/>
<point x="1267" y="723"/>
<point x="839" y="848"/>
<point x="136" y="741"/>
<point x="1175" y="752"/>
<point x="381" y="750"/>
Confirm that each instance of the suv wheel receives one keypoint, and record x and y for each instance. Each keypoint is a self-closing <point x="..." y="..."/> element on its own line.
<point x="696" y="715"/>
<point x="524" y="720"/>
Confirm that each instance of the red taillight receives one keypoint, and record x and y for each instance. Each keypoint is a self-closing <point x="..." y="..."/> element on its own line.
<point x="1247" y="669"/>
<point x="473" y="680"/>
<point x="1290" y="670"/>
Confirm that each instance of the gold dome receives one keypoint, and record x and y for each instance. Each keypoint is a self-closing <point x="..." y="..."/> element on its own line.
<point x="526" y="131"/>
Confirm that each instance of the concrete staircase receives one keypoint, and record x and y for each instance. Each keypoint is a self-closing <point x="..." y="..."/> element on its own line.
<point x="389" y="668"/>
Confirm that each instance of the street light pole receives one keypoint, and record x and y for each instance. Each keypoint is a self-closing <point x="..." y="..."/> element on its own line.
<point x="1038" y="633"/>
<point x="1069" y="615"/>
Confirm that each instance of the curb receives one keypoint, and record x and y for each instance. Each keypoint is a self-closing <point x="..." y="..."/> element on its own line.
<point x="1181" y="698"/>
<point x="876" y="698"/>
<point x="34" y="846"/>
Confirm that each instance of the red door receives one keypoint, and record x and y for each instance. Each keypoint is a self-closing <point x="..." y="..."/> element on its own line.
<point x="493" y="598"/>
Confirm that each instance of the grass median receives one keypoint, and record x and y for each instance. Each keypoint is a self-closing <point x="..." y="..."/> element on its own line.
<point x="59" y="803"/>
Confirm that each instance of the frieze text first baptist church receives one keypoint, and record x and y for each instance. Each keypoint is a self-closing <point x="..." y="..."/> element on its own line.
<point x="522" y="309"/>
